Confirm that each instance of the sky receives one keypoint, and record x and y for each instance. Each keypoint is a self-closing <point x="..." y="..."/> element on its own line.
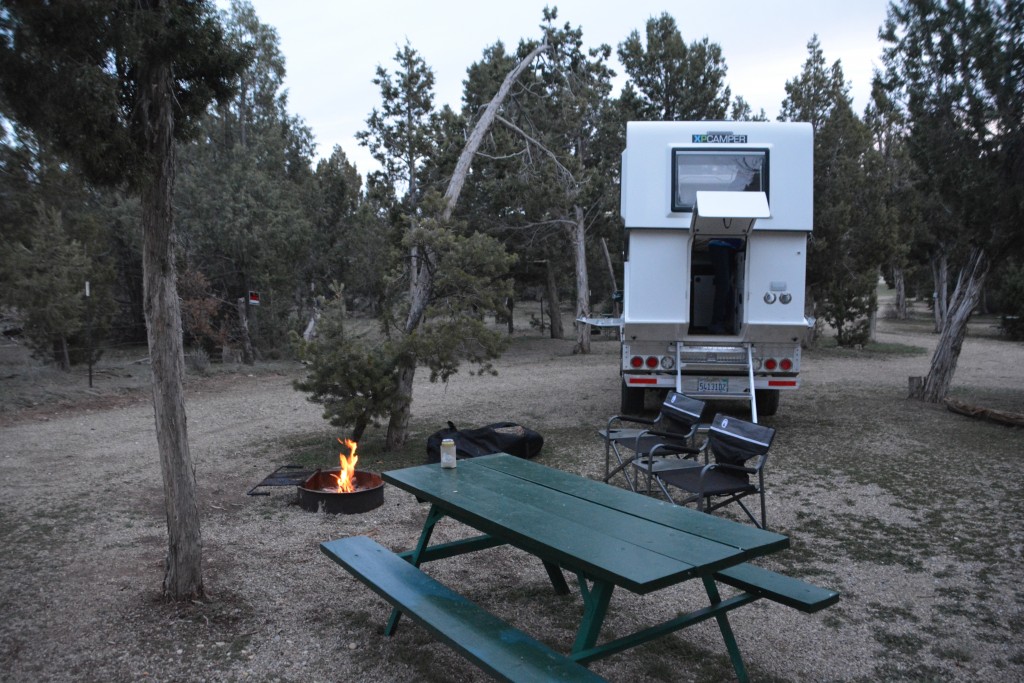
<point x="333" y="47"/>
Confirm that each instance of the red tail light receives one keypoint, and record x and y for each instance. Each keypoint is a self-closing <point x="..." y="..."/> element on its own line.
<point x="636" y="362"/>
<point x="652" y="362"/>
<point x="770" y="364"/>
<point x="786" y="364"/>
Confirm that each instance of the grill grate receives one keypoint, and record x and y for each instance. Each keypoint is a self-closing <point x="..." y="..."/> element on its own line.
<point x="285" y="475"/>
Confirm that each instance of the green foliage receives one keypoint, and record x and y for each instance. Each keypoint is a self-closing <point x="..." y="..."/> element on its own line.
<point x="249" y="211"/>
<point x="847" y="247"/>
<point x="1008" y="300"/>
<point x="953" y="69"/>
<point x="469" y="279"/>
<point x="670" y="80"/>
<point x="813" y="94"/>
<point x="401" y="134"/>
<point x="74" y="72"/>
<point x="47" y="285"/>
<point x="354" y="378"/>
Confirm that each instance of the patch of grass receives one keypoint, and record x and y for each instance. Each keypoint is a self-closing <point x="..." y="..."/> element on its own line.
<point x="902" y="643"/>
<point x="891" y="613"/>
<point x="653" y="662"/>
<point x="828" y="347"/>
<point x="895" y="670"/>
<point x="953" y="653"/>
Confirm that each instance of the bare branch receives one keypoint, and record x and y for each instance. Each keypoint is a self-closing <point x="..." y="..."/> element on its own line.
<point x="538" y="145"/>
<point x="476" y="138"/>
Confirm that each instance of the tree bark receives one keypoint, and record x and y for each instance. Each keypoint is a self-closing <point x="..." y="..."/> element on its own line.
<point x="183" y="570"/>
<point x="940" y="296"/>
<point x="554" y="303"/>
<point x="970" y="282"/>
<point x="582" y="281"/>
<point x="451" y="195"/>
<point x="422" y="263"/>
<point x="616" y="308"/>
<point x="900" y="282"/>
<point x="248" y="357"/>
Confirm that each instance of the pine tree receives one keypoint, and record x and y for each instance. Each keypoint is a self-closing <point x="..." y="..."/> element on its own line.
<point x="670" y="80"/>
<point x="111" y="84"/>
<point x="954" y="70"/>
<point x="843" y="255"/>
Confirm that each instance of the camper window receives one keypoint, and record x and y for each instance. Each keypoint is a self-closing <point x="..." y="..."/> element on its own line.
<point x="716" y="170"/>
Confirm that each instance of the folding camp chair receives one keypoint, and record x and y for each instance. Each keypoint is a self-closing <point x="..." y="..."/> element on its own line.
<point x="740" y="450"/>
<point x="673" y="430"/>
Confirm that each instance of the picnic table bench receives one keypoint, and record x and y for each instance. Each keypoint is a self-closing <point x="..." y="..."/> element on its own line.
<point x="496" y="647"/>
<point x="606" y="536"/>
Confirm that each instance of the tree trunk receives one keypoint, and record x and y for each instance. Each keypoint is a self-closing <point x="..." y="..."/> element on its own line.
<point x="582" y="282"/>
<point x="422" y="278"/>
<point x="940" y="297"/>
<point x="243" y="331"/>
<point x="554" y="303"/>
<point x="510" y="305"/>
<point x="398" y="425"/>
<point x="60" y="353"/>
<point x="616" y="308"/>
<point x="900" y="282"/>
<point x="970" y="282"/>
<point x="183" y="571"/>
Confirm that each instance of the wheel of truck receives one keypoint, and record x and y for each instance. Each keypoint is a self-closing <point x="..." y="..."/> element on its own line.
<point x="632" y="400"/>
<point x="767" y="401"/>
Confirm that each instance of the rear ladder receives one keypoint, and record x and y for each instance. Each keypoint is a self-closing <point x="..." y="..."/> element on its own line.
<point x="747" y="350"/>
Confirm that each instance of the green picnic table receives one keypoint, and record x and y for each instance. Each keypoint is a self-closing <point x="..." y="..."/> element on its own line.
<point x="606" y="536"/>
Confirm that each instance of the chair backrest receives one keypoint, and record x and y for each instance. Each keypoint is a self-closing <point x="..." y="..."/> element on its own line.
<point x="679" y="412"/>
<point x="735" y="441"/>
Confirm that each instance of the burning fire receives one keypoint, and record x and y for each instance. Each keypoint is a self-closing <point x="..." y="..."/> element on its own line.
<point x="346" y="477"/>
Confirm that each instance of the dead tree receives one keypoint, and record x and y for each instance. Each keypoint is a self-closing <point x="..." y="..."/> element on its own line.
<point x="422" y="280"/>
<point x="934" y="387"/>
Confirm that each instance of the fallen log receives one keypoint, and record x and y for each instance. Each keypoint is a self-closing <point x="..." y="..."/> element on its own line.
<point x="990" y="414"/>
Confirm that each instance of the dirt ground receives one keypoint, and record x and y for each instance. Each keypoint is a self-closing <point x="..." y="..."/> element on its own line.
<point x="912" y="512"/>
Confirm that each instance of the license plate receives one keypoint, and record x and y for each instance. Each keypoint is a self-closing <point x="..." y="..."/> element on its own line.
<point x="713" y="385"/>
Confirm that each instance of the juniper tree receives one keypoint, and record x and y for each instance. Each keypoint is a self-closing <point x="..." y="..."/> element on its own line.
<point x="112" y="84"/>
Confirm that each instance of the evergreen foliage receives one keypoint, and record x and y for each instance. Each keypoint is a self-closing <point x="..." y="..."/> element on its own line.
<point x="845" y="250"/>
<point x="670" y="80"/>
<point x="953" y="70"/>
<point x="50" y="272"/>
<point x="930" y="180"/>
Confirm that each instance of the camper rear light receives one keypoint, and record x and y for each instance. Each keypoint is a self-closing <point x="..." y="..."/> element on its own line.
<point x="785" y="365"/>
<point x="636" y="362"/>
<point x="667" y="362"/>
<point x="652" y="362"/>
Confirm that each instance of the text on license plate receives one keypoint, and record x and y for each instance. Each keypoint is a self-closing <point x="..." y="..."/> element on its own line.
<point x="713" y="385"/>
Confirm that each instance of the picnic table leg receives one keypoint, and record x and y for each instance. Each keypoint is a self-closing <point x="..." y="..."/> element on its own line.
<point x="557" y="579"/>
<point x="726" y="629"/>
<point x="595" y="606"/>
<point x="433" y="517"/>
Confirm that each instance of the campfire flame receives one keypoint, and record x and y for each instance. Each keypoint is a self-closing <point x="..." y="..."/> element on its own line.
<point x="346" y="477"/>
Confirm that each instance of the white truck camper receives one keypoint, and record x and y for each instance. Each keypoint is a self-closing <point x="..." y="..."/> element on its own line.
<point x="717" y="217"/>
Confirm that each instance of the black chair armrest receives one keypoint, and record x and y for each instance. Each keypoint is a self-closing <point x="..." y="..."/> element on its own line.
<point x="629" y="418"/>
<point x="669" y="448"/>
<point x="732" y="468"/>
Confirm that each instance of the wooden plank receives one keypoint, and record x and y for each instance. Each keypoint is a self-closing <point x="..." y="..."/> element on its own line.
<point x="499" y="649"/>
<point x="517" y="511"/>
<point x="741" y="536"/>
<point x="778" y="587"/>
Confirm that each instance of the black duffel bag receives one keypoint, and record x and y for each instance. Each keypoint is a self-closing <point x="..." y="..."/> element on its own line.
<point x="500" y="437"/>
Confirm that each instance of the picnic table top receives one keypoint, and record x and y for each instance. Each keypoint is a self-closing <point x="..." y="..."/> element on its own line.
<point x="600" y="531"/>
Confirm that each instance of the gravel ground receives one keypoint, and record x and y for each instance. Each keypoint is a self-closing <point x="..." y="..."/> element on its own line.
<point x="912" y="512"/>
